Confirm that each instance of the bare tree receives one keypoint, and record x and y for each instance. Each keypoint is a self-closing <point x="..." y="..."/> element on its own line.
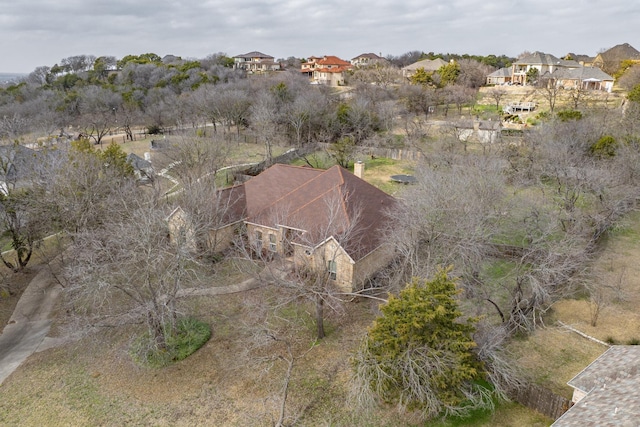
<point x="98" y="107"/>
<point x="549" y="89"/>
<point x="473" y="74"/>
<point x="497" y="94"/>
<point x="264" y="122"/>
<point x="127" y="269"/>
<point x="275" y="339"/>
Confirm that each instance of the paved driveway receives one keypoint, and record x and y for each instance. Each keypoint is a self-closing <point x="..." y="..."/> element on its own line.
<point x="29" y="323"/>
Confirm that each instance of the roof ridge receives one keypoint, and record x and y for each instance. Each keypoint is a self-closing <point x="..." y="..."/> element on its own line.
<point x="321" y="194"/>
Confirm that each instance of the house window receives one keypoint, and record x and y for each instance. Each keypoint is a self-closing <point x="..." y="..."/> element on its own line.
<point x="332" y="267"/>
<point x="272" y="242"/>
<point x="258" y="240"/>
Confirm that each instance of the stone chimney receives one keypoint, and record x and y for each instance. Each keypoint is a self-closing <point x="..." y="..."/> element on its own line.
<point x="358" y="169"/>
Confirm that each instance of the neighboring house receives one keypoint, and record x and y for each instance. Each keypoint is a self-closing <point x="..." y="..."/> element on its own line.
<point x="15" y="163"/>
<point x="255" y="62"/>
<point x="329" y="221"/>
<point x="223" y="219"/>
<point x="328" y="70"/>
<point x="609" y="61"/>
<point x="584" y="60"/>
<point x="482" y="131"/>
<point x="543" y="62"/>
<point x="429" y="65"/>
<point x="366" y="59"/>
<point x="607" y="392"/>
<point x="590" y="78"/>
<point x="142" y="168"/>
<point x="500" y="77"/>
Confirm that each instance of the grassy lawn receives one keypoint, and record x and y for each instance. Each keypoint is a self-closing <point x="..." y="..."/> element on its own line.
<point x="553" y="355"/>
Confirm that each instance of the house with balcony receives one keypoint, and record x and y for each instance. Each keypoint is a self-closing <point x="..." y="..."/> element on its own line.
<point x="542" y="62"/>
<point x="367" y="59"/>
<point x="255" y="62"/>
<point x="326" y="70"/>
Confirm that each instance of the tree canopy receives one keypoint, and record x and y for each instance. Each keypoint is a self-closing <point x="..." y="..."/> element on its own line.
<point x="419" y="353"/>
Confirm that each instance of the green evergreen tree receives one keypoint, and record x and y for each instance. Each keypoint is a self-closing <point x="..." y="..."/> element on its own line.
<point x="114" y="157"/>
<point x="419" y="353"/>
<point x="421" y="77"/>
<point x="634" y="94"/>
<point x="449" y="73"/>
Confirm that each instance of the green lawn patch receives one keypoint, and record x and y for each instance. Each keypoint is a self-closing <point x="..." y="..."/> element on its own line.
<point x="189" y="336"/>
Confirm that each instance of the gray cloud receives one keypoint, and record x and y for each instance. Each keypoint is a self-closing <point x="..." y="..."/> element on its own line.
<point x="42" y="32"/>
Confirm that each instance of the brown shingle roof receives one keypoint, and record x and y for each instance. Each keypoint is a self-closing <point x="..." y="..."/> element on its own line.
<point x="322" y="203"/>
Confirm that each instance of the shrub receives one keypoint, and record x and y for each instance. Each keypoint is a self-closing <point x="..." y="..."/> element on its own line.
<point x="566" y="115"/>
<point x="154" y="130"/>
<point x="188" y="336"/>
<point x="604" y="147"/>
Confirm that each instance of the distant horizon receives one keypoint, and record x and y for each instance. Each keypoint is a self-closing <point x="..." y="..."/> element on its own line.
<point x="283" y="28"/>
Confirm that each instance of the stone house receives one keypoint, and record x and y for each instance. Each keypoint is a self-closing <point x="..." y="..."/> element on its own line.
<point x="323" y="220"/>
<point x="607" y="392"/>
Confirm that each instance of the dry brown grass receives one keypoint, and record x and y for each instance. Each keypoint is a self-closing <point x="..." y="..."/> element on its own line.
<point x="554" y="355"/>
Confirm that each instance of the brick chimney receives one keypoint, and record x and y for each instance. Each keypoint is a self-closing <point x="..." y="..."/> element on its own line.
<point x="358" y="169"/>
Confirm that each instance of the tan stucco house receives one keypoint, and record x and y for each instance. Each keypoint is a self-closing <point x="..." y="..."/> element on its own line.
<point x="500" y="77"/>
<point x="610" y="60"/>
<point x="543" y="62"/>
<point x="327" y="70"/>
<point x="255" y="62"/>
<point x="367" y="59"/>
<point x="588" y="78"/>
<point x="324" y="220"/>
<point x="428" y="65"/>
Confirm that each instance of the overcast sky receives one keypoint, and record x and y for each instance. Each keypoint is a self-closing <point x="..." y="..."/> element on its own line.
<point x="42" y="32"/>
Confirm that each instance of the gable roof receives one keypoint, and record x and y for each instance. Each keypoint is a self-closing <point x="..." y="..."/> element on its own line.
<point x="612" y="386"/>
<point x="368" y="56"/>
<point x="254" y="54"/>
<point x="582" y="74"/>
<point x="579" y="57"/>
<point x="323" y="203"/>
<point x="137" y="162"/>
<point x="427" y="64"/>
<point x="502" y="72"/>
<point x="541" y="58"/>
<point x="620" y="52"/>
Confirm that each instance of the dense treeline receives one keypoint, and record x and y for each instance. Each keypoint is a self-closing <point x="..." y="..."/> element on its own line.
<point x="95" y="96"/>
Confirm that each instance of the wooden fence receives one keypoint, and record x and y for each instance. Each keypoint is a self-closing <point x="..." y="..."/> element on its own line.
<point x="542" y="400"/>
